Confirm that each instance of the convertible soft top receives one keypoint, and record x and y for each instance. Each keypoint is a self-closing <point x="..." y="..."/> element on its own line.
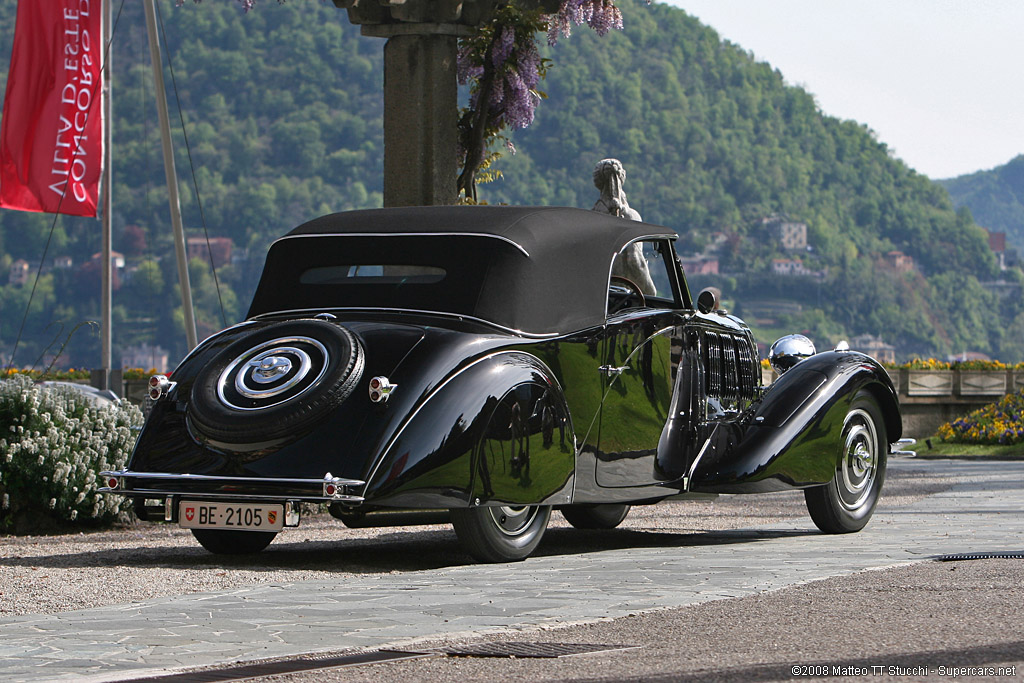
<point x="539" y="270"/>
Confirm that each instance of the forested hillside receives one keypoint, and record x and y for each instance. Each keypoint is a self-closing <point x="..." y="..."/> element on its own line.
<point x="995" y="198"/>
<point x="283" y="109"/>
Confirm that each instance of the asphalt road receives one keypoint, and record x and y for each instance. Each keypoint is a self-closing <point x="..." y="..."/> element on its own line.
<point x="754" y="594"/>
<point x="927" y="621"/>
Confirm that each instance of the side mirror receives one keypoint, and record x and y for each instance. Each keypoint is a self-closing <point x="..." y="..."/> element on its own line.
<point x="709" y="299"/>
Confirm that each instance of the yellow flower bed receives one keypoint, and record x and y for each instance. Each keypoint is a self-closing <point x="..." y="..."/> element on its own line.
<point x="1001" y="422"/>
<point x="69" y="374"/>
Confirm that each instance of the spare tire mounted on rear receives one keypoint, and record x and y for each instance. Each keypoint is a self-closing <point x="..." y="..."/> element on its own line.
<point x="276" y="381"/>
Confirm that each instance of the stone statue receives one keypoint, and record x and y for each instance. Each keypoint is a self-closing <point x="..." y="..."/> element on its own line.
<point x="609" y="175"/>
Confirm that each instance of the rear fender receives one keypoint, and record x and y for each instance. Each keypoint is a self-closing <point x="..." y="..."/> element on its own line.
<point x="496" y="431"/>
<point x="790" y="437"/>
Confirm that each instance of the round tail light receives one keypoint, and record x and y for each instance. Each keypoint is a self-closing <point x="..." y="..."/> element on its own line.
<point x="380" y="389"/>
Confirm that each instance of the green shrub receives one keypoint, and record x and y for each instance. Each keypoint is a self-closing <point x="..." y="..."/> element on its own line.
<point x="53" y="445"/>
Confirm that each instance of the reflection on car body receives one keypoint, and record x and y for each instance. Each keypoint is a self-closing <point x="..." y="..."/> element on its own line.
<point x="483" y="365"/>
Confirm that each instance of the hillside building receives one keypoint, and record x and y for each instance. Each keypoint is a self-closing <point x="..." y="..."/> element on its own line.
<point x="899" y="261"/>
<point x="19" y="273"/>
<point x="146" y="357"/>
<point x="791" y="234"/>
<point x="116" y="260"/>
<point x="699" y="265"/>
<point x="997" y="243"/>
<point x="220" y="248"/>
<point x="874" y="347"/>
<point x="795" y="268"/>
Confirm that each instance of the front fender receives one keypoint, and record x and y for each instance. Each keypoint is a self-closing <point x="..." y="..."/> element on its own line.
<point x="496" y="431"/>
<point x="790" y="437"/>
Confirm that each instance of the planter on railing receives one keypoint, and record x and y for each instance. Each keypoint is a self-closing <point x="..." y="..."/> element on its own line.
<point x="982" y="382"/>
<point x="929" y="382"/>
<point x="1018" y="381"/>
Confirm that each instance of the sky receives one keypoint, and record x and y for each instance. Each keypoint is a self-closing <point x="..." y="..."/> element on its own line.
<point x="939" y="81"/>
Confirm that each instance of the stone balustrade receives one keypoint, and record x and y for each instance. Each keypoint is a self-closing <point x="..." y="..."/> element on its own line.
<point x="929" y="398"/>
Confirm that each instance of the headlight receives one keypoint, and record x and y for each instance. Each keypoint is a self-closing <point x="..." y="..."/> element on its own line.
<point x="788" y="351"/>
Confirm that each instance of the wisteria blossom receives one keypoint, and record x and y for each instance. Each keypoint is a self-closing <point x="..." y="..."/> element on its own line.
<point x="600" y="15"/>
<point x="503" y="67"/>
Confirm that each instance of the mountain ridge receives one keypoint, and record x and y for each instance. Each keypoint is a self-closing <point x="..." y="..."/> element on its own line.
<point x="995" y="198"/>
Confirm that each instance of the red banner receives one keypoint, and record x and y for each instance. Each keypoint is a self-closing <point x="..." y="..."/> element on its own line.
<point x="51" y="135"/>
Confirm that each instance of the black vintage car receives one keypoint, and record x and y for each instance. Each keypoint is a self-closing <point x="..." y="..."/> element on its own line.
<point x="485" y="365"/>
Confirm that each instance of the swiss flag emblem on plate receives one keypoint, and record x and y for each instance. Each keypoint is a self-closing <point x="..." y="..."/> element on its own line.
<point x="272" y="517"/>
<point x="190" y="513"/>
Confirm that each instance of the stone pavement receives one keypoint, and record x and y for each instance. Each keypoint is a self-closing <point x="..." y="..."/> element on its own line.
<point x="981" y="514"/>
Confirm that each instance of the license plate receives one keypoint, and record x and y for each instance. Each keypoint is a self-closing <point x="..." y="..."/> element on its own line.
<point x="250" y="516"/>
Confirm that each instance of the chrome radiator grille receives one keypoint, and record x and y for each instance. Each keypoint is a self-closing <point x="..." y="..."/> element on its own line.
<point x="730" y="365"/>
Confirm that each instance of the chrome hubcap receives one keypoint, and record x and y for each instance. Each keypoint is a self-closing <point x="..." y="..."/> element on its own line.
<point x="513" y="520"/>
<point x="859" y="464"/>
<point x="268" y="368"/>
<point x="272" y="373"/>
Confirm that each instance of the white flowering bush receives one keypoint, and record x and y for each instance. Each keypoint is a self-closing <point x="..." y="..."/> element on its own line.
<point x="53" y="445"/>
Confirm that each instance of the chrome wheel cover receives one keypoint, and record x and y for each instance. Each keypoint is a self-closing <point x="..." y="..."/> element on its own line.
<point x="858" y="466"/>
<point x="272" y="373"/>
<point x="513" y="520"/>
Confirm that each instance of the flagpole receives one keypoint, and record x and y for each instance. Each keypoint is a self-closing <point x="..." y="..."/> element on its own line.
<point x="107" y="270"/>
<point x="172" y="178"/>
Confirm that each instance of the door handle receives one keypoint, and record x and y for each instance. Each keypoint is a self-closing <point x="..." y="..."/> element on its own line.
<point x="612" y="371"/>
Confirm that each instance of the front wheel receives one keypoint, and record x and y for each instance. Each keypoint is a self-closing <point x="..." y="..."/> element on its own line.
<point x="507" y="533"/>
<point x="847" y="502"/>
<point x="232" y="542"/>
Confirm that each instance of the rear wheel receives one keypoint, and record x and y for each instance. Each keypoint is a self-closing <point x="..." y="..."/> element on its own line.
<point x="847" y="502"/>
<point x="601" y="516"/>
<point x="501" y="533"/>
<point x="232" y="542"/>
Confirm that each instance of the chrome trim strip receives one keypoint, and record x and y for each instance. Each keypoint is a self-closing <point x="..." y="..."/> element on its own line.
<point x="406" y="234"/>
<point x="337" y="481"/>
<point x="700" y="454"/>
<point x="416" y="311"/>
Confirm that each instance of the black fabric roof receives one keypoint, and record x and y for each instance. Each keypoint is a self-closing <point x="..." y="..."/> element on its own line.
<point x="539" y="270"/>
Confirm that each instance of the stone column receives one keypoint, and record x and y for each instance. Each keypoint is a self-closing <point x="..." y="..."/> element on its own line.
<point x="420" y="90"/>
<point x="420" y="112"/>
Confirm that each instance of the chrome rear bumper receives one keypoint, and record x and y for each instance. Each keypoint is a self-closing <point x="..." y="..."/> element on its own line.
<point x="329" y="489"/>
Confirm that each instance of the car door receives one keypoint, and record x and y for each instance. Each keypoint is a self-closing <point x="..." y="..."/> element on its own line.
<point x="636" y="366"/>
